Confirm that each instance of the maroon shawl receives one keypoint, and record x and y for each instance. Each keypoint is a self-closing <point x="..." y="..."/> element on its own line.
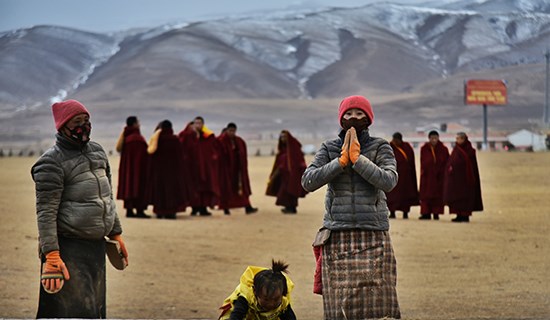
<point x="165" y="188"/>
<point x="405" y="193"/>
<point x="132" y="171"/>
<point x="286" y="174"/>
<point x="432" y="170"/>
<point x="201" y="175"/>
<point x="462" y="191"/>
<point x="234" y="180"/>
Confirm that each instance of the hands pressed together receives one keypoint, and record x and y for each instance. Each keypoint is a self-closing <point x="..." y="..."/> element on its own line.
<point x="351" y="148"/>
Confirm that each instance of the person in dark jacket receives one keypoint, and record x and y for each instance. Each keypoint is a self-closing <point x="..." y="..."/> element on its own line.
<point x="75" y="212"/>
<point x="433" y="158"/>
<point x="353" y="249"/>
<point x="462" y="191"/>
<point x="132" y="171"/>
<point x="405" y="193"/>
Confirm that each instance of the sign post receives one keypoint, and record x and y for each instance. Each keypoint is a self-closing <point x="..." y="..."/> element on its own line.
<point x="485" y="92"/>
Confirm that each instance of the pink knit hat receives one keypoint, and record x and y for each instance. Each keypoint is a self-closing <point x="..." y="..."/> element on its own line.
<point x="63" y="111"/>
<point x="357" y="102"/>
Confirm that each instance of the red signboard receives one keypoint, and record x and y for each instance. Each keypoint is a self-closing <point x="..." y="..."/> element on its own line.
<point x="487" y="92"/>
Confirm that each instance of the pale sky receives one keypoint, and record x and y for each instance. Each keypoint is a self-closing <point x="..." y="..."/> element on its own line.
<point x="115" y="15"/>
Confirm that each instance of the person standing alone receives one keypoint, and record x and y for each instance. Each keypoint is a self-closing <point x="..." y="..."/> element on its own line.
<point x="284" y="180"/>
<point x="75" y="212"/>
<point x="357" y="262"/>
<point x="433" y="159"/>
<point x="132" y="171"/>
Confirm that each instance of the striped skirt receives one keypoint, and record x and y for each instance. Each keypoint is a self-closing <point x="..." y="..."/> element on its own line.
<point x="359" y="276"/>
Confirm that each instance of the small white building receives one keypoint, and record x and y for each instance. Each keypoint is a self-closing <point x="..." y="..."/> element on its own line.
<point x="524" y="139"/>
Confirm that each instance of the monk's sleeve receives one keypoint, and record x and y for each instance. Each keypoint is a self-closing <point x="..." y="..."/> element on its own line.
<point x="382" y="172"/>
<point x="321" y="170"/>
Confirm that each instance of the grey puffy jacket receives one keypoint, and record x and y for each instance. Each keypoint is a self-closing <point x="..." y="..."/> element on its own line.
<point x="73" y="194"/>
<point x="355" y="196"/>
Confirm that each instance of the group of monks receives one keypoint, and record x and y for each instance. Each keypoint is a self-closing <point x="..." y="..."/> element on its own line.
<point x="445" y="180"/>
<point x="199" y="170"/>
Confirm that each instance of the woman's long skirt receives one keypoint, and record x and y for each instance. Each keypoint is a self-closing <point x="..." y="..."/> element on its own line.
<point x="359" y="276"/>
<point x="83" y="295"/>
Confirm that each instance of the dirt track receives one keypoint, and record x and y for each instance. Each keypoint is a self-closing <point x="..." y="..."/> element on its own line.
<point x="496" y="267"/>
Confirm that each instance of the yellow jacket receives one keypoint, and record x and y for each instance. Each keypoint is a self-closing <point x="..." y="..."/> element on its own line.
<point x="245" y="290"/>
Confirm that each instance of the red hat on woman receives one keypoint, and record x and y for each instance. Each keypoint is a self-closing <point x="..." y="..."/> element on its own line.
<point x="63" y="111"/>
<point x="355" y="102"/>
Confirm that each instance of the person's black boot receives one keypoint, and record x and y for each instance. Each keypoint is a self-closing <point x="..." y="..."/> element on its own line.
<point x="171" y="216"/>
<point x="405" y="215"/>
<point x="194" y="211"/>
<point x="130" y="213"/>
<point x="250" y="209"/>
<point x="204" y="212"/>
<point x="142" y="215"/>
<point x="226" y="212"/>
<point x="289" y="210"/>
<point x="392" y="215"/>
<point x="436" y="216"/>
<point x="458" y="219"/>
<point x="425" y="217"/>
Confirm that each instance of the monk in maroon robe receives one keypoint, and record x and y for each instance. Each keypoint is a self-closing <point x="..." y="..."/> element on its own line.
<point x="234" y="181"/>
<point x="433" y="158"/>
<point x="285" y="178"/>
<point x="132" y="172"/>
<point x="201" y="155"/>
<point x="405" y="193"/>
<point x="462" y="191"/>
<point x="165" y="188"/>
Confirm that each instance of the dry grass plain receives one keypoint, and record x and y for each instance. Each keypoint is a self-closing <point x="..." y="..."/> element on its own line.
<point x="496" y="267"/>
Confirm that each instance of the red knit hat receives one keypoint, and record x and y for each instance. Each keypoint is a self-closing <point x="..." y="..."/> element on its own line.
<point x="355" y="102"/>
<point x="63" y="111"/>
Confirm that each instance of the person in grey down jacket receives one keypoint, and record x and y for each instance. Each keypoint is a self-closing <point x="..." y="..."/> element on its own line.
<point x="356" y="267"/>
<point x="75" y="212"/>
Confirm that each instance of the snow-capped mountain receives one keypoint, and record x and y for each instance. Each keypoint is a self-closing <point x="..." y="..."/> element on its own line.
<point x="326" y="52"/>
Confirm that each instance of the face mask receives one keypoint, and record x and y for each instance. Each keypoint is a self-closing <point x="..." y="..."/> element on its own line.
<point x="81" y="134"/>
<point x="358" y="124"/>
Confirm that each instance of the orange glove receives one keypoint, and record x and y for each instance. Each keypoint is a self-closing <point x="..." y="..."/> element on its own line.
<point x="54" y="272"/>
<point x="344" y="155"/>
<point x="354" y="146"/>
<point x="118" y="238"/>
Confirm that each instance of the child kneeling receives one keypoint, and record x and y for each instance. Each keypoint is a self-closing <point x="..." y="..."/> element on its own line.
<point x="261" y="294"/>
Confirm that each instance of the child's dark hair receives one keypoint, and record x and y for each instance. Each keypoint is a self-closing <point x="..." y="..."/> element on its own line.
<point x="272" y="279"/>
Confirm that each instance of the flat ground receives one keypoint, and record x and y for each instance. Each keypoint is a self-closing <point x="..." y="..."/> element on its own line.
<point x="496" y="267"/>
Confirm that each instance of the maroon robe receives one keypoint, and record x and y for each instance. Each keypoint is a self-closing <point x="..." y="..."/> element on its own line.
<point x="165" y="188"/>
<point x="132" y="171"/>
<point x="405" y="193"/>
<point x="286" y="176"/>
<point x="432" y="174"/>
<point x="234" y="181"/>
<point x="462" y="191"/>
<point x="201" y="173"/>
